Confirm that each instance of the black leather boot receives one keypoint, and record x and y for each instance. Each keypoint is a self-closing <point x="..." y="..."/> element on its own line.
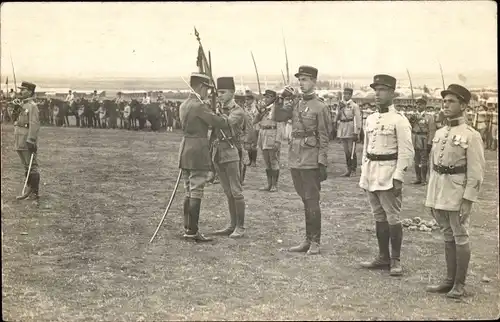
<point x="28" y="190"/>
<point x="396" y="233"/>
<point x="450" y="254"/>
<point x="232" y="217"/>
<point x="240" y="218"/>
<point x="424" y="174"/>
<point x="269" y="181"/>
<point x="348" y="163"/>
<point x="315" y="215"/>
<point x="185" y="209"/>
<point x="274" y="180"/>
<point x="418" y="174"/>
<point x="382" y="261"/>
<point x="194" y="213"/>
<point x="304" y="246"/>
<point x="463" y="258"/>
<point x="354" y="164"/>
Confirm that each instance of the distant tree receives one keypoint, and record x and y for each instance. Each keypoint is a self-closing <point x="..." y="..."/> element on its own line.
<point x="485" y="96"/>
<point x="474" y="97"/>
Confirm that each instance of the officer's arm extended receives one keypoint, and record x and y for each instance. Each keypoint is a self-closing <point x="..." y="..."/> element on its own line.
<point x="405" y="148"/>
<point x="324" y="122"/>
<point x="475" y="167"/>
<point x="34" y="124"/>
<point x="210" y="118"/>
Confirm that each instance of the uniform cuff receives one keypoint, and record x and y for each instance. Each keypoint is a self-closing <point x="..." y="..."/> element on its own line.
<point x="471" y="194"/>
<point x="32" y="141"/>
<point x="322" y="160"/>
<point x="399" y="175"/>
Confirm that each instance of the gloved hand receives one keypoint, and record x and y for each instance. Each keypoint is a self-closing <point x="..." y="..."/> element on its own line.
<point x="31" y="147"/>
<point x="322" y="172"/>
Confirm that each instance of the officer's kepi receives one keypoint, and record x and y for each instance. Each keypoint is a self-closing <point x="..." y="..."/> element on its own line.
<point x="200" y="78"/>
<point x="28" y="86"/>
<point x="458" y="91"/>
<point x="307" y="71"/>
<point x="385" y="80"/>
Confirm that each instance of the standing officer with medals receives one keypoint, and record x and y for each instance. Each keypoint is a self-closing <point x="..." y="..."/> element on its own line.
<point x="26" y="140"/>
<point x="194" y="156"/>
<point x="457" y="160"/>
<point x="253" y="130"/>
<point x="423" y="129"/>
<point x="269" y="140"/>
<point x="387" y="154"/>
<point x="226" y="156"/>
<point x="348" y="128"/>
<point x="307" y="154"/>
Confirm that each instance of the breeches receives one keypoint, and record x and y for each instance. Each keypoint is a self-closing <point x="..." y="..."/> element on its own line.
<point x="25" y="156"/>
<point x="386" y="205"/>
<point x="451" y="227"/>
<point x="271" y="159"/>
<point x="421" y="157"/>
<point x="229" y="176"/>
<point x="306" y="183"/>
<point x="194" y="182"/>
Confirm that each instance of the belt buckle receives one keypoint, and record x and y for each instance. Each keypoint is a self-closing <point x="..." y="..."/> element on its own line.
<point x="451" y="166"/>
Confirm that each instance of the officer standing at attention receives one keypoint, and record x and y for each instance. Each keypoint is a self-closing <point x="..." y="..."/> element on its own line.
<point x="349" y="125"/>
<point x="423" y="130"/>
<point x="307" y="154"/>
<point x="269" y="140"/>
<point x="387" y="154"/>
<point x="194" y="156"/>
<point x="26" y="140"/>
<point x="457" y="160"/>
<point x="226" y="156"/>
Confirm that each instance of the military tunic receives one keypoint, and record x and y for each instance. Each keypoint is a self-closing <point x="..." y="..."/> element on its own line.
<point x="349" y="120"/>
<point x="26" y="129"/>
<point x="387" y="154"/>
<point x="423" y="129"/>
<point x="269" y="139"/>
<point x="457" y="172"/>
<point x="194" y="151"/>
<point x="494" y="126"/>
<point x="481" y="123"/>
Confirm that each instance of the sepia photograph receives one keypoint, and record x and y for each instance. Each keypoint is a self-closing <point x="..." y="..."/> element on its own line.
<point x="249" y="161"/>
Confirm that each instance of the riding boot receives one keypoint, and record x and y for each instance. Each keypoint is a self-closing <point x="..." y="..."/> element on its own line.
<point x="315" y="220"/>
<point x="269" y="181"/>
<point x="28" y="189"/>
<point x="239" y="205"/>
<point x="383" y="258"/>
<point x="243" y="173"/>
<point x="306" y="244"/>
<point x="418" y="174"/>
<point x="348" y="162"/>
<point x="274" y="180"/>
<point x="450" y="254"/>
<point x="35" y="185"/>
<point x="232" y="216"/>
<point x="254" y="159"/>
<point x="463" y="258"/>
<point x="354" y="164"/>
<point x="194" y="217"/>
<point x="424" y="174"/>
<point x="186" y="214"/>
<point x="396" y="233"/>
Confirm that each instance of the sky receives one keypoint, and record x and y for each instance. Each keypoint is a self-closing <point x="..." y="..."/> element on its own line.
<point x="157" y="39"/>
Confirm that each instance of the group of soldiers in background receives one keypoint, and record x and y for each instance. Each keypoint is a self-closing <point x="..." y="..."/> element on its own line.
<point x="96" y="112"/>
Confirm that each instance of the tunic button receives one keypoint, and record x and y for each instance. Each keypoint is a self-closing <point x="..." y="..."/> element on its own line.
<point x="446" y="135"/>
<point x="444" y="141"/>
<point x="442" y="148"/>
<point x="441" y="155"/>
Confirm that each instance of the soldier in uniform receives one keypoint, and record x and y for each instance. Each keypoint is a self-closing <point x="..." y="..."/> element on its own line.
<point x="494" y="128"/>
<point x="269" y="140"/>
<point x="349" y="125"/>
<point x="458" y="163"/>
<point x="194" y="156"/>
<point x="481" y="124"/>
<point x="423" y="129"/>
<point x="253" y="132"/>
<point x="307" y="153"/>
<point x="387" y="154"/>
<point x="470" y="115"/>
<point x="488" y="135"/>
<point x="26" y="140"/>
<point x="227" y="154"/>
<point x="367" y="111"/>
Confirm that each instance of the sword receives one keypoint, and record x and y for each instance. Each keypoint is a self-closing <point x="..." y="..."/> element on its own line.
<point x="28" y="174"/>
<point x="201" y="101"/>
<point x="168" y="206"/>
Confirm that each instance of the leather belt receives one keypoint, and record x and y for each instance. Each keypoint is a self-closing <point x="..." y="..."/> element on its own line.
<point x="347" y="120"/>
<point x="420" y="133"/>
<point x="268" y="127"/>
<point x="494" y="123"/>
<point x="25" y="125"/>
<point x="441" y="169"/>
<point x="382" y="157"/>
<point x="303" y="134"/>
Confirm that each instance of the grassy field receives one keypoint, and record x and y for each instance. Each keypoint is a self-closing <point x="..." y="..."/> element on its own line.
<point x="85" y="254"/>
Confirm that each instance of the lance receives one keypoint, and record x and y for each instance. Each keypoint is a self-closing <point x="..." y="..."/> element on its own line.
<point x="442" y="77"/>
<point x="411" y="87"/>
<point x="286" y="60"/>
<point x="257" y="73"/>
<point x="283" y="75"/>
<point x="14" y="73"/>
